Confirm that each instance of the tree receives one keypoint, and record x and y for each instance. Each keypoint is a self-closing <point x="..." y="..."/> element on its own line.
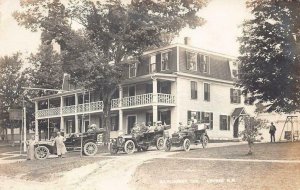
<point x="252" y="132"/>
<point x="270" y="56"/>
<point x="112" y="34"/>
<point x="11" y="92"/>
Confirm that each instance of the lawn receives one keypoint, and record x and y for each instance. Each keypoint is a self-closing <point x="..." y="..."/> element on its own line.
<point x="262" y="151"/>
<point x="180" y="173"/>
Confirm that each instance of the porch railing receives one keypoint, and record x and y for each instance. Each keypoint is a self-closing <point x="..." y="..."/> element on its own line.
<point x="138" y="100"/>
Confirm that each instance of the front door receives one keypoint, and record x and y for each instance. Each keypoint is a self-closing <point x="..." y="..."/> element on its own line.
<point x="236" y="128"/>
<point x="131" y="120"/>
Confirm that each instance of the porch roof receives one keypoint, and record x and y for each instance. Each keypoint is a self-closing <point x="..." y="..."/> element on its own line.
<point x="238" y="112"/>
<point x="57" y="95"/>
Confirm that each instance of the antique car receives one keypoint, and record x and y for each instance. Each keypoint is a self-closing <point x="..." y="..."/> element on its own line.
<point x="190" y="135"/>
<point x="129" y="142"/>
<point x="90" y="142"/>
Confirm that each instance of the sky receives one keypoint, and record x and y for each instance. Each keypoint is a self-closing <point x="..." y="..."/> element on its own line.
<point x="219" y="33"/>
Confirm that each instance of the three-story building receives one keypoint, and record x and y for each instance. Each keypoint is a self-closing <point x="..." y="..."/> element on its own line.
<point x="172" y="84"/>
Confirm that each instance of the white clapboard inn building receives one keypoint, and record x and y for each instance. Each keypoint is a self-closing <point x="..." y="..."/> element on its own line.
<point x="172" y="84"/>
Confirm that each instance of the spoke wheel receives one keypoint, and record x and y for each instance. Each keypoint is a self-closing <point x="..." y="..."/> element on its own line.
<point x="167" y="144"/>
<point x="160" y="143"/>
<point x="186" y="145"/>
<point x="90" y="149"/>
<point x="41" y="152"/>
<point x="129" y="147"/>
<point x="204" y="141"/>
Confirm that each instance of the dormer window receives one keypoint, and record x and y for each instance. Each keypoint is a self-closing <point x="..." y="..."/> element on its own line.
<point x="152" y="65"/>
<point x="165" y="61"/>
<point x="204" y="63"/>
<point x="132" y="70"/>
<point x="191" y="61"/>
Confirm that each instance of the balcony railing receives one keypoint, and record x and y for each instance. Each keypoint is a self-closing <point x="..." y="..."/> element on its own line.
<point x="127" y="102"/>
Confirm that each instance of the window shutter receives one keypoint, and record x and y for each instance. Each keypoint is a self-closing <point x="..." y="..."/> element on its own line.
<point x="221" y="128"/>
<point x="158" y="62"/>
<point x="211" y="120"/>
<point x="231" y="95"/>
<point x="187" y="60"/>
<point x="239" y="96"/>
<point x="189" y="115"/>
<point x="202" y="117"/>
<point x="199" y="62"/>
<point x="228" y="120"/>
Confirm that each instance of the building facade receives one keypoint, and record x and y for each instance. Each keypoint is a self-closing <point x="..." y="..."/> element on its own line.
<point x="171" y="84"/>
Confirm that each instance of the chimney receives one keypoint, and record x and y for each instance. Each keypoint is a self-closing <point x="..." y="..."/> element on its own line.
<point x="187" y="41"/>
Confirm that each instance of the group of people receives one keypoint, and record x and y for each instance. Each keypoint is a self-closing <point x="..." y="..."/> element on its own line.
<point x="142" y="128"/>
<point x="58" y="141"/>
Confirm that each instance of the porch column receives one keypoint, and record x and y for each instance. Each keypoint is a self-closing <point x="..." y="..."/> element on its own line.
<point x="120" y="110"/>
<point x="62" y="127"/>
<point x="76" y="115"/>
<point x="36" y="121"/>
<point x="154" y="106"/>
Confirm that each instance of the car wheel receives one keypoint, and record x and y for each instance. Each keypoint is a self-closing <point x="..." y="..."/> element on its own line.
<point x="204" y="141"/>
<point x="90" y="149"/>
<point x="112" y="150"/>
<point x="160" y="143"/>
<point x="129" y="147"/>
<point x="167" y="145"/>
<point x="186" y="144"/>
<point x="41" y="152"/>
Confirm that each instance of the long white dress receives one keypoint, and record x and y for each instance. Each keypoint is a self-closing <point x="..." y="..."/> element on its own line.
<point x="60" y="145"/>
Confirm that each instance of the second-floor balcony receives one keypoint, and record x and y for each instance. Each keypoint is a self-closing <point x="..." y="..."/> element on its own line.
<point x="92" y="107"/>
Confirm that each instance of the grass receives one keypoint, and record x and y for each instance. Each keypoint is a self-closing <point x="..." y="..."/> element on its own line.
<point x="185" y="174"/>
<point x="262" y="151"/>
<point x="45" y="170"/>
<point x="210" y="174"/>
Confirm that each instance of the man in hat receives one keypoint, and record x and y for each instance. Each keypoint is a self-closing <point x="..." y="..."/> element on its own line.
<point x="272" y="132"/>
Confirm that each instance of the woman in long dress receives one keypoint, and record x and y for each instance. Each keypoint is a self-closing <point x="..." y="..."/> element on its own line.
<point x="30" y="148"/>
<point x="60" y="145"/>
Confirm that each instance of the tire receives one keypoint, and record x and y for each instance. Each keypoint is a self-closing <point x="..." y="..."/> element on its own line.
<point x="160" y="143"/>
<point x="186" y="145"/>
<point x="129" y="147"/>
<point x="112" y="150"/>
<point x="167" y="145"/>
<point x="204" y="141"/>
<point x="41" y="152"/>
<point x="90" y="149"/>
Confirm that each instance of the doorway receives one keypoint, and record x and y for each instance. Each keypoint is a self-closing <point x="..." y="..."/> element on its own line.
<point x="131" y="120"/>
<point x="236" y="128"/>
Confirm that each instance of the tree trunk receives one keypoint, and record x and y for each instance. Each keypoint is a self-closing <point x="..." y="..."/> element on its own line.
<point x="106" y="117"/>
<point x="250" y="144"/>
<point x="12" y="134"/>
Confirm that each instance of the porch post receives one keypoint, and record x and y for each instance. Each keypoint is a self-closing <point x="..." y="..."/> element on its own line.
<point x="154" y="106"/>
<point x="120" y="108"/>
<point x="76" y="115"/>
<point x="62" y="127"/>
<point x="36" y="121"/>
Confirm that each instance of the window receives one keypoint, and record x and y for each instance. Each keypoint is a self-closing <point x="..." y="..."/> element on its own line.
<point x="165" y="117"/>
<point x="152" y="65"/>
<point x="191" y="61"/>
<point x="165" y="61"/>
<point x="201" y="117"/>
<point x="206" y="92"/>
<point x="114" y="123"/>
<point x="204" y="63"/>
<point x="207" y="117"/>
<point x="235" y="96"/>
<point x="132" y="70"/>
<point x="235" y="73"/>
<point x="193" y="90"/>
<point x="224" y="122"/>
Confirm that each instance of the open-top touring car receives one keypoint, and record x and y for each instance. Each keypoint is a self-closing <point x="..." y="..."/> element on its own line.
<point x="90" y="141"/>
<point x="140" y="141"/>
<point x="195" y="134"/>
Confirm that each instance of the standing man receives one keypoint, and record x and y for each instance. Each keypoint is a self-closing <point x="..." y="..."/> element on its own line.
<point x="30" y="148"/>
<point x="272" y="132"/>
<point x="60" y="145"/>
